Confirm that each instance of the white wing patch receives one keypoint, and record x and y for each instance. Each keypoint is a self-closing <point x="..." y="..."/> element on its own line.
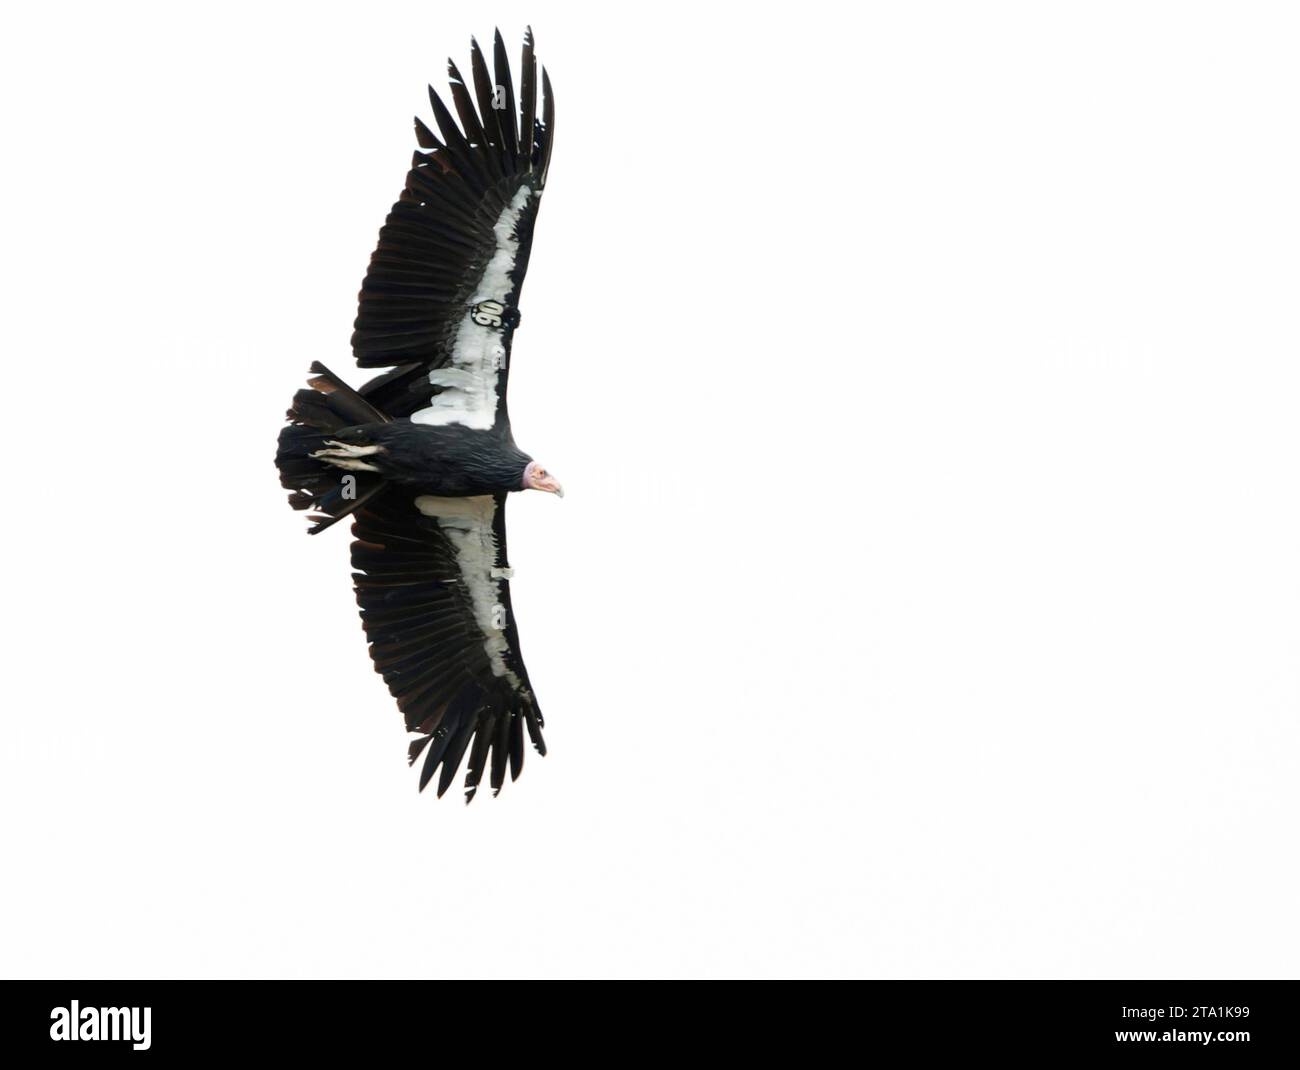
<point x="467" y="523"/>
<point x="469" y="394"/>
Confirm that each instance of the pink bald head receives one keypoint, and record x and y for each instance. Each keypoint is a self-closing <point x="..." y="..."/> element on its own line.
<point x="538" y="478"/>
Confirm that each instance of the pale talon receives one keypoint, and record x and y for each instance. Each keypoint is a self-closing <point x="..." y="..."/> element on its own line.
<point x="344" y="449"/>
<point x="351" y="465"/>
<point x="347" y="456"/>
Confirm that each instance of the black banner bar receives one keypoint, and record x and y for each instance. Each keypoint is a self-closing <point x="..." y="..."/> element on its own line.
<point x="1227" y="1021"/>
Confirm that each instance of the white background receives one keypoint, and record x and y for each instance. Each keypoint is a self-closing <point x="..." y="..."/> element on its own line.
<point x="926" y="599"/>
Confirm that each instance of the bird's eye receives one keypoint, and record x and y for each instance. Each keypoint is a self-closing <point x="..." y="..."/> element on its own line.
<point x="541" y="473"/>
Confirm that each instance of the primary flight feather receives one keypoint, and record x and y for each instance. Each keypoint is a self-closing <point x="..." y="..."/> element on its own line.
<point x="422" y="456"/>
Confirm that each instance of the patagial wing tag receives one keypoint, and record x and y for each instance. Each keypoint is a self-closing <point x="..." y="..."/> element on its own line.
<point x="488" y="313"/>
<point x="494" y="314"/>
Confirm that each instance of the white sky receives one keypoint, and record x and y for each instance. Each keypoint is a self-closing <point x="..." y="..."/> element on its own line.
<point x="926" y="597"/>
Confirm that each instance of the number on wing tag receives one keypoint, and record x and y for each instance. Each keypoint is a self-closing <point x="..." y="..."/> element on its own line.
<point x="487" y="313"/>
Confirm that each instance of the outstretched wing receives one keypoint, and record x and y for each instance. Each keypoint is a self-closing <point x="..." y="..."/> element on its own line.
<point x="432" y="582"/>
<point x="441" y="297"/>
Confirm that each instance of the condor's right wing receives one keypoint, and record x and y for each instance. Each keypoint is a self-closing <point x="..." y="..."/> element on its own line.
<point x="433" y="585"/>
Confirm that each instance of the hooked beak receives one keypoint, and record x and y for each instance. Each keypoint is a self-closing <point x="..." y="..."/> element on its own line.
<point x="538" y="478"/>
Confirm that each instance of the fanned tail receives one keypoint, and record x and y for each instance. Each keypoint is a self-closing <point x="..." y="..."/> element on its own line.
<point x="327" y="408"/>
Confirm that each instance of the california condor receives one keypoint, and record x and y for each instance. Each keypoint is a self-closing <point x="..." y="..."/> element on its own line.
<point x="422" y="457"/>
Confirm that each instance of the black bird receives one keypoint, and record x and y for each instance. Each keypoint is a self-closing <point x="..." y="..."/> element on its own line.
<point x="422" y="456"/>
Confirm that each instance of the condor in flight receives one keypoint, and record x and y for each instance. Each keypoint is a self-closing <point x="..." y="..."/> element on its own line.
<point x="422" y="457"/>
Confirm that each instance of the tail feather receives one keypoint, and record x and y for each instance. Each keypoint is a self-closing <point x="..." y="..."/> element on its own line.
<point x="342" y="399"/>
<point x="316" y="415"/>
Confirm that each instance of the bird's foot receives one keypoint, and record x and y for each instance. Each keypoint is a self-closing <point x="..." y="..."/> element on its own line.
<point x="343" y="455"/>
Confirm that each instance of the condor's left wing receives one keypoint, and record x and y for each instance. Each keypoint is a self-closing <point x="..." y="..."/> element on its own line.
<point x="441" y="297"/>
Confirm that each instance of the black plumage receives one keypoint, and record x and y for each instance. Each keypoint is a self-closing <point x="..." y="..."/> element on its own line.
<point x="421" y="457"/>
